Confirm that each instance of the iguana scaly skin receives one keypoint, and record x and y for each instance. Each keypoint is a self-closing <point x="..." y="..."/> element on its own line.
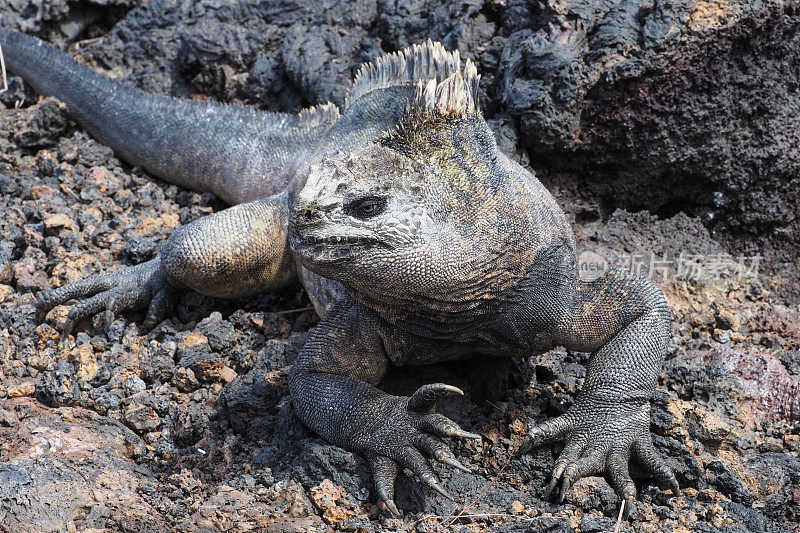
<point x="417" y="239"/>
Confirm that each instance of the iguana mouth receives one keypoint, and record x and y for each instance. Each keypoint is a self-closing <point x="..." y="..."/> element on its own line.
<point x="335" y="239"/>
<point x="330" y="249"/>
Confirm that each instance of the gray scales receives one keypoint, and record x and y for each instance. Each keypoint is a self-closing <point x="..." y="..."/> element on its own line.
<point x="417" y="240"/>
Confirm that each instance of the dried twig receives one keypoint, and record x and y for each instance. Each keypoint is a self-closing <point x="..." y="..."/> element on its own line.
<point x="290" y="311"/>
<point x="74" y="47"/>
<point x="619" y="517"/>
<point x="479" y="515"/>
<point x="3" y="69"/>
<point x="463" y="511"/>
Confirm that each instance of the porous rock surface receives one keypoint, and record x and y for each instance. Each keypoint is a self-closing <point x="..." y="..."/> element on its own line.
<point x="667" y="131"/>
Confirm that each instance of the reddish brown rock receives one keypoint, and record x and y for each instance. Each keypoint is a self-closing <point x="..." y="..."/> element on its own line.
<point x="770" y="392"/>
<point x="57" y="222"/>
<point x="70" y="469"/>
<point x="185" y="380"/>
<point x="141" y="418"/>
<point x="21" y="389"/>
<point x="28" y="275"/>
<point x="326" y="496"/>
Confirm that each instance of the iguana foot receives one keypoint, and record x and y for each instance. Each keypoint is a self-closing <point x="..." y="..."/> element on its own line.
<point x="128" y="288"/>
<point x="409" y="430"/>
<point x="600" y="438"/>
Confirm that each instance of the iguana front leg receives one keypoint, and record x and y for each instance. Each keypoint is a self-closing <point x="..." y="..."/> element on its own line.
<point x="333" y="388"/>
<point x="236" y="252"/>
<point x="624" y="320"/>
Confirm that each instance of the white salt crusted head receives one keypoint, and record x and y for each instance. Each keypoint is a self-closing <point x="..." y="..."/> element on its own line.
<point x="441" y="87"/>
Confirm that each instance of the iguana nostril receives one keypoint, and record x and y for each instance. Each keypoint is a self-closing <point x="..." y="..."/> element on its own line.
<point x="305" y="216"/>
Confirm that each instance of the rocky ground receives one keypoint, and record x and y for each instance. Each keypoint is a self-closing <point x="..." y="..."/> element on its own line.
<point x="667" y="131"/>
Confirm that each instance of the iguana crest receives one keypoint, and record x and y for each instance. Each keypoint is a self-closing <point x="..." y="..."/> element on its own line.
<point x="440" y="86"/>
<point x="319" y="115"/>
<point x="452" y="97"/>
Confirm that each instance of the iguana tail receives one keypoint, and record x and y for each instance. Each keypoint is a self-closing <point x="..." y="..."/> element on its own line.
<point x="237" y="152"/>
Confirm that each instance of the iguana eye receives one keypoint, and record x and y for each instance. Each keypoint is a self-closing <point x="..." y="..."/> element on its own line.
<point x="367" y="207"/>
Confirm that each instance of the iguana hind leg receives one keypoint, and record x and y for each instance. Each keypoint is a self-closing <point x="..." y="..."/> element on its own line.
<point x="624" y="320"/>
<point x="237" y="252"/>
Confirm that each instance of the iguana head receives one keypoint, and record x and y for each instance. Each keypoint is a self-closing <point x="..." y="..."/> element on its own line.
<point x="430" y="215"/>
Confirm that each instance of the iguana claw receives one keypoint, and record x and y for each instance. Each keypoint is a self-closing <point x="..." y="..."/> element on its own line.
<point x="411" y="432"/>
<point x="427" y="396"/>
<point x="129" y="288"/>
<point x="600" y="440"/>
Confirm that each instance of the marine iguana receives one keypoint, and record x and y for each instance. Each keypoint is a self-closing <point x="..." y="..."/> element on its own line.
<point x="418" y="242"/>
